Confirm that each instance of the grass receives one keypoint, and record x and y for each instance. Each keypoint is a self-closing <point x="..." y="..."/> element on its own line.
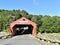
<point x="49" y="36"/>
<point x="7" y="31"/>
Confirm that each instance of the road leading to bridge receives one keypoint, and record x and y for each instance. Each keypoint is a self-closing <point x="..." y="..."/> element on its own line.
<point x="20" y="40"/>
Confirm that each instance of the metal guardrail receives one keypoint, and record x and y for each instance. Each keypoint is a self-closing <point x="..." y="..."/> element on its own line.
<point x="49" y="40"/>
<point x="5" y="36"/>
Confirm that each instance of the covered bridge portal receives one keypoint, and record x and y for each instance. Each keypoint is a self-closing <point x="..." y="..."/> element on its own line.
<point x="23" y="26"/>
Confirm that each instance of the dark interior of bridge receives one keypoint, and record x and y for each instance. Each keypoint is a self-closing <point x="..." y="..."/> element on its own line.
<point x="23" y="29"/>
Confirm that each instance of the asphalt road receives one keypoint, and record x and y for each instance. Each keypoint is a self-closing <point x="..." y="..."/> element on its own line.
<point x="20" y="40"/>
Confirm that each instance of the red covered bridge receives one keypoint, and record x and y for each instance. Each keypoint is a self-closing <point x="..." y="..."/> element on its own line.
<point x="23" y="26"/>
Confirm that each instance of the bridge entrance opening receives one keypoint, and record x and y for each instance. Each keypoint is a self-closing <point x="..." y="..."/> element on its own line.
<point x="23" y="29"/>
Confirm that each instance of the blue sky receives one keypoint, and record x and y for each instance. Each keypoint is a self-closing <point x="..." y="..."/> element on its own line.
<point x="49" y="7"/>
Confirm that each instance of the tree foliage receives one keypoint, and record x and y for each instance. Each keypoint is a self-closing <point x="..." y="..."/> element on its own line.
<point x="45" y="23"/>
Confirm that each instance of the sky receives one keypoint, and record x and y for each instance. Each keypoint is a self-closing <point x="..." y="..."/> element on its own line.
<point x="35" y="7"/>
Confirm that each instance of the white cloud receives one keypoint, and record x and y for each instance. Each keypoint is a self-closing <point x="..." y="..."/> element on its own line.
<point x="35" y="2"/>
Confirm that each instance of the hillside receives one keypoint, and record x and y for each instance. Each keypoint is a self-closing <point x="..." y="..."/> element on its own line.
<point x="45" y="23"/>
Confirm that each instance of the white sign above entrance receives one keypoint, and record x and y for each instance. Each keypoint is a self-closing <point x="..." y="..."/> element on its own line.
<point x="23" y="22"/>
